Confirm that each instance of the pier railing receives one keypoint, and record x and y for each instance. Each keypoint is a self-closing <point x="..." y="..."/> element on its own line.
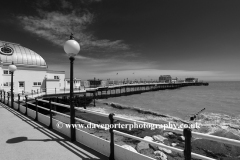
<point x="113" y="149"/>
<point x="140" y="87"/>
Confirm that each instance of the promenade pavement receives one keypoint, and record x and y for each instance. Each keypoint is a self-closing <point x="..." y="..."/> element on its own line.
<point x="21" y="138"/>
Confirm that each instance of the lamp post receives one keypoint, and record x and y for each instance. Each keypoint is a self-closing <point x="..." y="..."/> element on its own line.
<point x="72" y="47"/>
<point x="12" y="68"/>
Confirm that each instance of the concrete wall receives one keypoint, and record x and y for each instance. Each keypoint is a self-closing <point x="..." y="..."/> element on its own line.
<point x="93" y="142"/>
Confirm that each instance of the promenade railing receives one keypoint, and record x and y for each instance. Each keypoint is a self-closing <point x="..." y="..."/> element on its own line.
<point x="187" y="133"/>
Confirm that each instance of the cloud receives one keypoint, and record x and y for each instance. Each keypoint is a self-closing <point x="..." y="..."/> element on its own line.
<point x="56" y="27"/>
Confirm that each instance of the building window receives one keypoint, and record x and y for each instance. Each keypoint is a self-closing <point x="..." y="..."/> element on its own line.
<point x="5" y="84"/>
<point x="56" y="77"/>
<point x="5" y="71"/>
<point x="6" y="50"/>
<point x="37" y="83"/>
<point x="21" y="84"/>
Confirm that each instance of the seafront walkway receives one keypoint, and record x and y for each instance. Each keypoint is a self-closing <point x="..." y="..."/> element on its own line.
<point x="22" y="138"/>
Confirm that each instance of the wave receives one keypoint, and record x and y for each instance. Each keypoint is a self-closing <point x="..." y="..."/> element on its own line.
<point x="154" y="115"/>
<point x="139" y="110"/>
<point x="220" y="124"/>
<point x="211" y="123"/>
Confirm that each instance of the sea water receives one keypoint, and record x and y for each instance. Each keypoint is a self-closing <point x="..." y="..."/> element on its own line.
<point x="221" y="101"/>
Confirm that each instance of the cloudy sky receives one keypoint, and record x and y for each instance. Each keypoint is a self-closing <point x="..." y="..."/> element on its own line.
<point x="132" y="39"/>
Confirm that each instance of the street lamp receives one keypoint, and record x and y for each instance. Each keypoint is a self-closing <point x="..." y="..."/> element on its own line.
<point x="12" y="68"/>
<point x="72" y="47"/>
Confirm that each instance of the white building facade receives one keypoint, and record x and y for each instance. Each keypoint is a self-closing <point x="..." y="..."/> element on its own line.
<point x="32" y="74"/>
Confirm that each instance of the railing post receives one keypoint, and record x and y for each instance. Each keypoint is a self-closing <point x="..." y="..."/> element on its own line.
<point x="37" y="91"/>
<point x="85" y="101"/>
<point x="50" y="107"/>
<point x="8" y="98"/>
<point x="36" y="109"/>
<point x="1" y="95"/>
<point x="55" y="90"/>
<point x="4" y="96"/>
<point x="26" y="105"/>
<point x="188" y="149"/>
<point x="111" y="157"/>
<point x="18" y="102"/>
<point x="12" y="100"/>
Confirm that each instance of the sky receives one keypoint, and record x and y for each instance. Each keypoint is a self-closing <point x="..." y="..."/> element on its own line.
<point x="131" y="39"/>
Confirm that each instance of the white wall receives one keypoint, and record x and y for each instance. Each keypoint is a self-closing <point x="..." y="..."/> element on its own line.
<point x="50" y="75"/>
<point x="28" y="76"/>
<point x="51" y="86"/>
<point x="76" y="83"/>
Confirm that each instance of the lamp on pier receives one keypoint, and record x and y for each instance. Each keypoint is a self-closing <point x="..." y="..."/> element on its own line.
<point x="12" y="68"/>
<point x="72" y="48"/>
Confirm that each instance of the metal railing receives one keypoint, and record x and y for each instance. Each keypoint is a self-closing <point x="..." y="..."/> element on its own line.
<point x="186" y="152"/>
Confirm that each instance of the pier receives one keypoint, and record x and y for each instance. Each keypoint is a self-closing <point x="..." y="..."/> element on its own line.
<point x="129" y="89"/>
<point x="102" y="92"/>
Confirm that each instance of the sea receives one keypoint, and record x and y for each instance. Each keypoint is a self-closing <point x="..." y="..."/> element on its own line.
<point x="216" y="107"/>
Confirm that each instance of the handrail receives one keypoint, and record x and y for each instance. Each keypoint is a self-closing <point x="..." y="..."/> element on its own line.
<point x="87" y="122"/>
<point x="43" y="108"/>
<point x="62" y="105"/>
<point x="199" y="135"/>
<point x="39" y="106"/>
<point x="147" y="123"/>
<point x="93" y="112"/>
<point x="42" y="100"/>
<point x="217" y="138"/>
<point x="61" y="113"/>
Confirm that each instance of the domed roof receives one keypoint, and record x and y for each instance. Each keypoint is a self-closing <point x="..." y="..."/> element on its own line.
<point x="21" y="56"/>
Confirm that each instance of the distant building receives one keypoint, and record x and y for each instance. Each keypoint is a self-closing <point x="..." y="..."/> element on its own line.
<point x="165" y="79"/>
<point x="76" y="83"/>
<point x="175" y="80"/>
<point x="93" y="83"/>
<point x="104" y="83"/>
<point x="191" y="80"/>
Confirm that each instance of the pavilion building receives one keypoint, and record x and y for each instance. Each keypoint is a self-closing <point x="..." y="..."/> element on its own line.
<point x="32" y="72"/>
